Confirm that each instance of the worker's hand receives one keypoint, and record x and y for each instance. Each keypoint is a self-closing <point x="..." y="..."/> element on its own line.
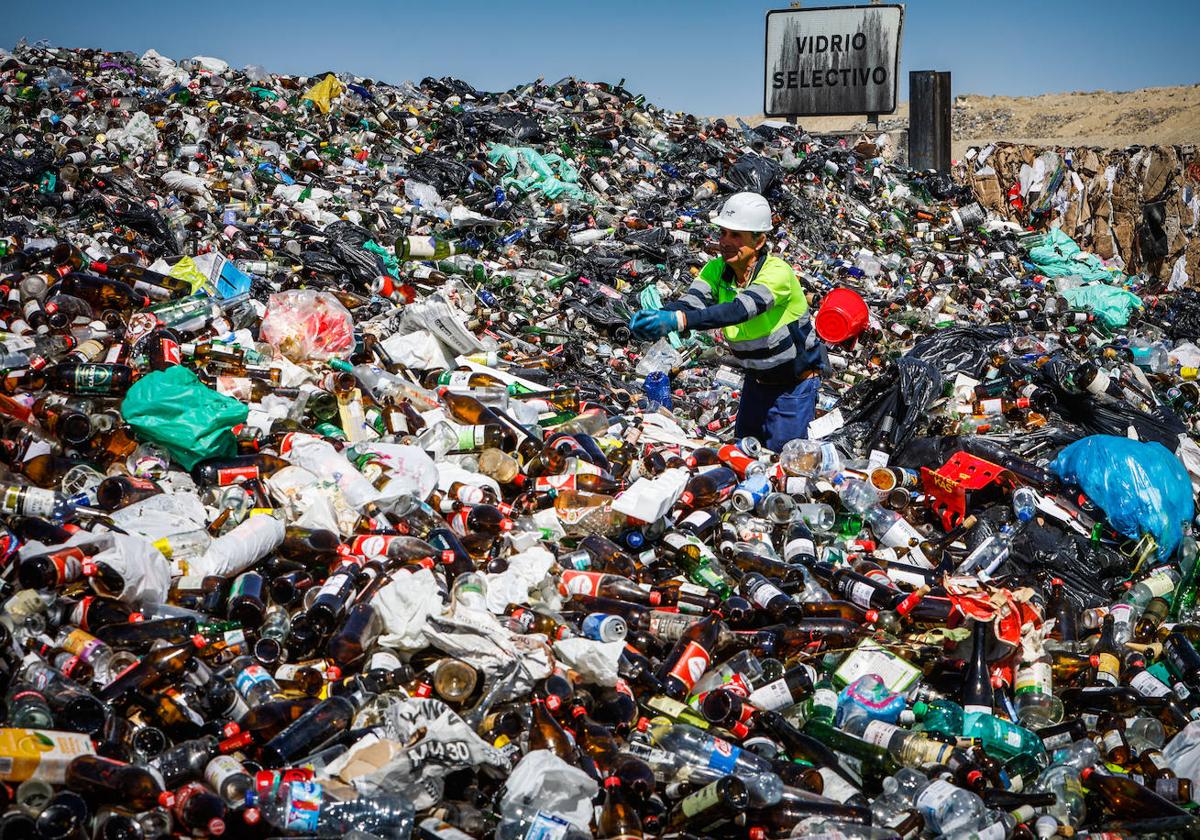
<point x="653" y="323"/>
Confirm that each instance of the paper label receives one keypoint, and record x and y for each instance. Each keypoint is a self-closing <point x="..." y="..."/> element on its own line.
<point x="826" y="424"/>
<point x="582" y="583"/>
<point x="933" y="798"/>
<point x="1148" y="685"/>
<point x="901" y="533"/>
<point x="879" y="733"/>
<point x="835" y="787"/>
<point x="773" y="696"/>
<point x="233" y="475"/>
<point x="220" y="769"/>
<point x="333" y="586"/>
<point x="860" y="593"/>
<point x="707" y="797"/>
<point x="31" y="501"/>
<point x="249" y="677"/>
<point x="470" y="437"/>
<point x="868" y="658"/>
<point x="799" y="547"/>
<point x="1034" y="678"/>
<point x="1108" y="669"/>
<point x="766" y="592"/>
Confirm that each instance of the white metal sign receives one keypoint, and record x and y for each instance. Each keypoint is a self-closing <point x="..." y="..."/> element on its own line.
<point x="832" y="61"/>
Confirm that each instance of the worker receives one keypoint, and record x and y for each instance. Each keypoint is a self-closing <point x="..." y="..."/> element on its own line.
<point x="759" y="305"/>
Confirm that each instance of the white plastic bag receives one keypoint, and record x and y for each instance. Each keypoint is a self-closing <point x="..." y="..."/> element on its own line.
<point x="238" y="550"/>
<point x="543" y="781"/>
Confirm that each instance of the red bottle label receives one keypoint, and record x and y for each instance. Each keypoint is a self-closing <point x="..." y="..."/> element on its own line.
<point x="232" y="475"/>
<point x="691" y="665"/>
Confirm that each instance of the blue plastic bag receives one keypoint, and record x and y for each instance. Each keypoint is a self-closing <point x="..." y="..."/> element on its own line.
<point x="1141" y="487"/>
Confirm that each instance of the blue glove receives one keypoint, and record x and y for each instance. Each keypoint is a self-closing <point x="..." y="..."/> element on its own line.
<point x="653" y="323"/>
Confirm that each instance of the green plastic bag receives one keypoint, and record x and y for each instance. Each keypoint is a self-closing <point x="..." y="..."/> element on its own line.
<point x="1059" y="256"/>
<point x="1110" y="304"/>
<point x="177" y="411"/>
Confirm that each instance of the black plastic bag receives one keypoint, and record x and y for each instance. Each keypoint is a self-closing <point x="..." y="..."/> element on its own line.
<point x="507" y="126"/>
<point x="1152" y="233"/>
<point x="146" y="221"/>
<point x="902" y="393"/>
<point x="1179" y="315"/>
<point x="445" y="175"/>
<point x="14" y="170"/>
<point x="960" y="349"/>
<point x="1090" y="570"/>
<point x="754" y="173"/>
<point x="448" y="86"/>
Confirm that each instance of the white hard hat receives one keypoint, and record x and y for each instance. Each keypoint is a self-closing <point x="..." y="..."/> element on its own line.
<point x="747" y="211"/>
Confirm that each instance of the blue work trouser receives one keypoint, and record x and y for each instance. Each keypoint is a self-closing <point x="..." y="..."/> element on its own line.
<point x="776" y="414"/>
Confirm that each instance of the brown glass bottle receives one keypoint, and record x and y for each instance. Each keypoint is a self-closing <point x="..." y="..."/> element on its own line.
<point x="1124" y="798"/>
<point x="162" y="664"/>
<point x="546" y="733"/>
<point x="226" y="471"/>
<point x="323" y="721"/>
<point x="121" y="491"/>
<point x="709" y="488"/>
<point x="105" y="780"/>
<point x="710" y="807"/>
<point x="618" y="819"/>
<point x="595" y="740"/>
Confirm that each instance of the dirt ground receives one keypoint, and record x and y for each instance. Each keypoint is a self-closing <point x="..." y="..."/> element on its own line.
<point x="1164" y="115"/>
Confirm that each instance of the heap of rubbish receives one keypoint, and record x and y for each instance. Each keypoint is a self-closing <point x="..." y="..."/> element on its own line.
<point x="338" y="499"/>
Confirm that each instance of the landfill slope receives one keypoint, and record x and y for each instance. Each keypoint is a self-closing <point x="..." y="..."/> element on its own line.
<point x="1108" y="119"/>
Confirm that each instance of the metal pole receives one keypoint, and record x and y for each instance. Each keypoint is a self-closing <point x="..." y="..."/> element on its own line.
<point x="929" y="104"/>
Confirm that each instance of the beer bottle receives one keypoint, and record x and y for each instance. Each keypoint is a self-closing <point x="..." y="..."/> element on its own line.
<point x="332" y="600"/>
<point x="709" y="808"/>
<point x="1107" y="656"/>
<point x="27" y="708"/>
<point x="618" y="818"/>
<point x="55" y="569"/>
<point x="1124" y="798"/>
<point x="104" y="293"/>
<point x="81" y="378"/>
<point x="226" y="471"/>
<point x="152" y="283"/>
<point x="594" y="739"/>
<point x="164" y="663"/>
<point x="1181" y="657"/>
<point x="105" y="780"/>
<point x="769" y="597"/>
<point x="121" y="491"/>
<point x="138" y="636"/>
<point x="197" y="810"/>
<point x="322" y="722"/>
<point x="546" y="733"/>
<point x="709" y="488"/>
<point x="247" y="600"/>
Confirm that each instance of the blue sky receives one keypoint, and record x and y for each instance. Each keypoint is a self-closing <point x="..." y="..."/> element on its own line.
<point x="698" y="56"/>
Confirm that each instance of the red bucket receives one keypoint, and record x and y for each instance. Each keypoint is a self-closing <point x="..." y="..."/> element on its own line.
<point x="842" y="316"/>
